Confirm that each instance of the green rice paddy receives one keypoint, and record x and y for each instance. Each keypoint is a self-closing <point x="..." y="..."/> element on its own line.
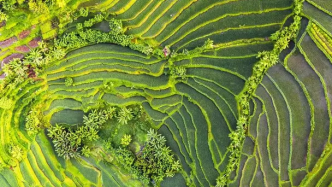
<point x="289" y="132"/>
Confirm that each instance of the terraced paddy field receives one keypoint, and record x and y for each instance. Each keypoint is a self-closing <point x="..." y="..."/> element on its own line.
<point x="235" y="93"/>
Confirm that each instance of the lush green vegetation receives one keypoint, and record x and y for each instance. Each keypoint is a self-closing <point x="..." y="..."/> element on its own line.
<point x="148" y="159"/>
<point x="165" y="93"/>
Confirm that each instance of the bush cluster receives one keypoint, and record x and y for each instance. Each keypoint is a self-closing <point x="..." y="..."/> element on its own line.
<point x="178" y="71"/>
<point x="84" y="12"/>
<point x="125" y="140"/>
<point x="16" y="72"/>
<point x="38" y="7"/>
<point x="16" y="151"/>
<point x="3" y="16"/>
<point x="185" y="54"/>
<point x="152" y="163"/>
<point x="35" y="6"/>
<point x="97" y="19"/>
<point x="6" y="103"/>
<point x="115" y="26"/>
<point x="69" y="81"/>
<point x="84" y="35"/>
<point x="9" y="5"/>
<point x="68" y="142"/>
<point x="34" y="121"/>
<point x="156" y="160"/>
<point x="72" y="142"/>
<point x="35" y="62"/>
<point x="31" y="66"/>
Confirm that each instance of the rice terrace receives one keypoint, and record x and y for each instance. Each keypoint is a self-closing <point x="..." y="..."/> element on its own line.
<point x="170" y="93"/>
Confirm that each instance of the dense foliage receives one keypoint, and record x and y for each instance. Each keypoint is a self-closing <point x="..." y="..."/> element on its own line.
<point x="153" y="162"/>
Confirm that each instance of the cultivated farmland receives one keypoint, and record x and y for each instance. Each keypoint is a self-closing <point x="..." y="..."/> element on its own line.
<point x="169" y="93"/>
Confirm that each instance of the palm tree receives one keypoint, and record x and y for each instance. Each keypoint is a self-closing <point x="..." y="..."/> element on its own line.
<point x="93" y="134"/>
<point x="122" y="120"/>
<point x="58" y="53"/>
<point x="159" y="141"/>
<point x="124" y="115"/>
<point x="88" y="121"/>
<point x="176" y="166"/>
<point x="152" y="134"/>
<point x="55" y="131"/>
<point x="35" y="56"/>
<point x="86" y="151"/>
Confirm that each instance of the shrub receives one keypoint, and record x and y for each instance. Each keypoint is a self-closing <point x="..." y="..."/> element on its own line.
<point x="86" y="151"/>
<point x="115" y="26"/>
<point x="16" y="72"/>
<point x="35" y="57"/>
<point x="79" y="26"/>
<point x="156" y="159"/>
<point x="61" y="3"/>
<point x="65" y="142"/>
<point x="110" y="112"/>
<point x="3" y="16"/>
<point x="38" y="7"/>
<point x="69" y="81"/>
<point x="68" y="142"/>
<point x="84" y="12"/>
<point x="6" y="103"/>
<point x="98" y="18"/>
<point x="125" y="140"/>
<point x="16" y="152"/>
<point x="108" y="85"/>
<point x="8" y="5"/>
<point x="34" y="122"/>
<point x="178" y="71"/>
